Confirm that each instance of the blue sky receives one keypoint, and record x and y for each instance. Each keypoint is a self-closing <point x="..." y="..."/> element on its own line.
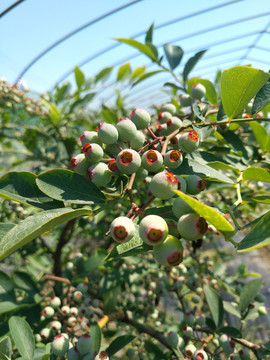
<point x="35" y="24"/>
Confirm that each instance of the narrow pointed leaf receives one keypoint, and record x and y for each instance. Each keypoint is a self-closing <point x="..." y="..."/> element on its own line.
<point x="215" y="304"/>
<point x="211" y="215"/>
<point x="256" y="173"/>
<point x="261" y="135"/>
<point x="139" y="71"/>
<point x="36" y="225"/>
<point x="21" y="186"/>
<point x="118" y="344"/>
<point x="173" y="54"/>
<point x="262" y="98"/>
<point x="191" y="63"/>
<point x="103" y="74"/>
<point x="123" y="72"/>
<point x="65" y="185"/>
<point x="23" y="336"/>
<point x="211" y="93"/>
<point x="248" y="293"/>
<point x="95" y="334"/>
<point x="258" y="237"/>
<point x="139" y="46"/>
<point x="6" y="347"/>
<point x="238" y="85"/>
<point x="79" y="77"/>
<point x="149" y="34"/>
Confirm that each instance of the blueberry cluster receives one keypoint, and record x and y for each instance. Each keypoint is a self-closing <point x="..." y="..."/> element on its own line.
<point x="134" y="149"/>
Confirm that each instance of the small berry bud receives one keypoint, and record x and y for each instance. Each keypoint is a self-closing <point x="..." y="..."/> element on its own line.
<point x="173" y="339"/>
<point x="56" y="325"/>
<point x="162" y="185"/>
<point x="48" y="312"/>
<point x="84" y="344"/>
<point x="128" y="161"/>
<point x="78" y="296"/>
<point x="55" y="302"/>
<point x="65" y="310"/>
<point x="107" y="133"/>
<point x="60" y="345"/>
<point x="164" y="116"/>
<point x="73" y="311"/>
<point x="197" y="91"/>
<point x="92" y="152"/>
<point x="169" y="252"/>
<point x="189" y="141"/>
<point x="192" y="226"/>
<point x="173" y="124"/>
<point x="173" y="159"/>
<point x="190" y="350"/>
<point x="195" y="184"/>
<point x="79" y="164"/>
<point x="90" y="137"/>
<point x="99" y="174"/>
<point x="126" y="129"/>
<point x="122" y="229"/>
<point x="71" y="321"/>
<point x="152" y="160"/>
<point x="185" y="100"/>
<point x="153" y="229"/>
<point x="45" y="333"/>
<point x="169" y="107"/>
<point x="137" y="141"/>
<point x="200" y="355"/>
<point x="141" y="118"/>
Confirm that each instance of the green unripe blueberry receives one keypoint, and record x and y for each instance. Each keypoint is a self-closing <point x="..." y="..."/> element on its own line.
<point x="99" y="174"/>
<point x="55" y="325"/>
<point x="73" y="354"/>
<point x="164" y="116"/>
<point x="141" y="118"/>
<point x="95" y="303"/>
<point x="107" y="133"/>
<point x="262" y="310"/>
<point x="71" y="321"/>
<point x="169" y="252"/>
<point x="173" y="159"/>
<point x="182" y="186"/>
<point x="55" y="302"/>
<point x="138" y="140"/>
<point x="173" y="339"/>
<point x="200" y="355"/>
<point x="82" y="287"/>
<point x="128" y="161"/>
<point x="188" y="141"/>
<point x="172" y="225"/>
<point x="141" y="173"/>
<point x="79" y="164"/>
<point x="90" y="137"/>
<point x="73" y="311"/>
<point x="226" y="344"/>
<point x="153" y="229"/>
<point x="169" y="108"/>
<point x="180" y="207"/>
<point x="48" y="312"/>
<point x="173" y="124"/>
<point x="45" y="333"/>
<point x="92" y="152"/>
<point x="60" y="345"/>
<point x="78" y="296"/>
<point x="189" y="319"/>
<point x="126" y="129"/>
<point x="260" y="298"/>
<point x="188" y="331"/>
<point x="89" y="356"/>
<point x="152" y="160"/>
<point x="190" y="350"/>
<point x="197" y="91"/>
<point x="84" y="344"/>
<point x="244" y="353"/>
<point x="192" y="226"/>
<point x="65" y="310"/>
<point x="122" y="229"/>
<point x="162" y="185"/>
<point x="195" y="184"/>
<point x="185" y="100"/>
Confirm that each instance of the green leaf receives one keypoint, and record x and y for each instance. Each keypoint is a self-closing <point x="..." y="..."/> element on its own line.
<point x="174" y="86"/>
<point x="215" y="304"/>
<point x="79" y="77"/>
<point x="103" y="74"/>
<point x="123" y="72"/>
<point x="23" y="336"/>
<point x="139" y="46"/>
<point x="153" y="351"/>
<point x="260" y="135"/>
<point x="149" y="34"/>
<point x="21" y="186"/>
<point x="231" y="331"/>
<point x="146" y="76"/>
<point x="95" y="334"/>
<point x="191" y="63"/>
<point x="190" y="167"/>
<point x="110" y="300"/>
<point x="118" y="344"/>
<point x="258" y="237"/>
<point x="6" y="282"/>
<point x="211" y="93"/>
<point x="248" y="293"/>
<point x="173" y="54"/>
<point x="66" y="185"/>
<point x="138" y="72"/>
<point x="54" y="112"/>
<point x="238" y="85"/>
<point x="109" y="116"/>
<point x="256" y="173"/>
<point x="211" y="215"/>
<point x="236" y="143"/>
<point x="265" y="199"/>
<point x="6" y="347"/>
<point x="218" y="165"/>
<point x="231" y="309"/>
<point x="11" y="306"/>
<point x="34" y="226"/>
<point x="262" y="98"/>
<point x="23" y="281"/>
<point x="197" y="112"/>
<point x="153" y="48"/>
<point x="81" y="103"/>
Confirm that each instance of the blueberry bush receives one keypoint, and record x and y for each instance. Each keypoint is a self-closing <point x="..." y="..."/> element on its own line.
<point x="114" y="221"/>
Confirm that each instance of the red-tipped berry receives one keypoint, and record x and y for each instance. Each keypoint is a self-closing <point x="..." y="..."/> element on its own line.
<point x="90" y="137"/>
<point x="173" y="159"/>
<point x="99" y="174"/>
<point x="128" y="161"/>
<point x="189" y="141"/>
<point x="152" y="160"/>
<point x="169" y="108"/>
<point x="79" y="164"/>
<point x="185" y="100"/>
<point x="107" y="133"/>
<point x="197" y="91"/>
<point x="126" y="129"/>
<point x="60" y="345"/>
<point x="92" y="152"/>
<point x="169" y="252"/>
<point x="84" y="344"/>
<point x="122" y="229"/>
<point x="195" y="184"/>
<point x="141" y="118"/>
<point x="192" y="226"/>
<point x="153" y="229"/>
<point x="162" y="185"/>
